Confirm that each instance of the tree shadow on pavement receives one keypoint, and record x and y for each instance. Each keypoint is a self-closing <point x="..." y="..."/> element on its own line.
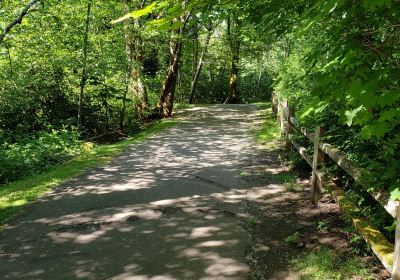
<point x="173" y="207"/>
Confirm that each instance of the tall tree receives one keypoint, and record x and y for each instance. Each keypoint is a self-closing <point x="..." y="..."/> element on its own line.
<point x="133" y="45"/>
<point x="261" y="62"/>
<point x="200" y="63"/>
<point x="195" y="45"/>
<point x="166" y="103"/>
<point x="84" y="63"/>
<point x="234" y="26"/>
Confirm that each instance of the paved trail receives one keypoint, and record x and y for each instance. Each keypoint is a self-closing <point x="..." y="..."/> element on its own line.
<point x="169" y="208"/>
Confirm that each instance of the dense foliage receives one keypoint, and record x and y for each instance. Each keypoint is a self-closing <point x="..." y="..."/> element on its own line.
<point x="68" y="73"/>
<point x="342" y="73"/>
<point x="37" y="152"/>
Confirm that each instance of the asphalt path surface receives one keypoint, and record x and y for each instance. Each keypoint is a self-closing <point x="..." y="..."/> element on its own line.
<point x="171" y="207"/>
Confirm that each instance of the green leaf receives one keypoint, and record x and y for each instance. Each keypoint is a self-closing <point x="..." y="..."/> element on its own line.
<point x="145" y="11"/>
<point x="306" y="113"/>
<point x="372" y="5"/>
<point x="355" y="89"/>
<point x="139" y="13"/>
<point x="350" y="115"/>
<point x="307" y="26"/>
<point x="388" y="98"/>
<point x="392" y="227"/>
<point x="321" y="107"/>
<point x="395" y="194"/>
<point x="330" y="6"/>
<point x="125" y="17"/>
<point x="159" y="24"/>
<point x="389" y="115"/>
<point x="177" y="25"/>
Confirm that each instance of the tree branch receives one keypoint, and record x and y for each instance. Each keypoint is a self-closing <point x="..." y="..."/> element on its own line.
<point x="18" y="20"/>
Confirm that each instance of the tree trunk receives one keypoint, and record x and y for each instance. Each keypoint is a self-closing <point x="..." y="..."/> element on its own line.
<point x="233" y="80"/>
<point x="234" y="26"/>
<point x="212" y="78"/>
<point x="195" y="49"/>
<point x="123" y="106"/>
<point x="137" y="83"/>
<point x="84" y="66"/>
<point x="179" y="84"/>
<point x="261" y="72"/>
<point x="223" y="71"/>
<point x="199" y="67"/>
<point x="133" y="48"/>
<point x="10" y="60"/>
<point x="166" y="103"/>
<point x="128" y="51"/>
<point x="105" y="104"/>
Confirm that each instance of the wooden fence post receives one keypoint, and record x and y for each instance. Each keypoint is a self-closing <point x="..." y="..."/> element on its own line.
<point x="316" y="185"/>
<point x="396" y="256"/>
<point x="278" y="110"/>
<point x="290" y="125"/>
<point x="273" y="99"/>
<point x="282" y="117"/>
<point x="321" y="154"/>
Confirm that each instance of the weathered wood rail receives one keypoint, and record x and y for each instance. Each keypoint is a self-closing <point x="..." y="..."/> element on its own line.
<point x="388" y="253"/>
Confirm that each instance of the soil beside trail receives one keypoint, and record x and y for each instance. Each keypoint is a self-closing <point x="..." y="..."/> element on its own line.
<point x="192" y="202"/>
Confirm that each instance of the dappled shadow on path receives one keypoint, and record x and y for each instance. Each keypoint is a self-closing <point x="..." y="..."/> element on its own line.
<point x="170" y="208"/>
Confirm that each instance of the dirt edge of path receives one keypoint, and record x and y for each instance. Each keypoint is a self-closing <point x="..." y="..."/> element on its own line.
<point x="309" y="230"/>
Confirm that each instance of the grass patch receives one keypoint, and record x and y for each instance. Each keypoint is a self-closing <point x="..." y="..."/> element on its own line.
<point x="267" y="131"/>
<point x="326" y="263"/>
<point x="293" y="186"/>
<point x="288" y="180"/>
<point x="15" y="195"/>
<point x="285" y="177"/>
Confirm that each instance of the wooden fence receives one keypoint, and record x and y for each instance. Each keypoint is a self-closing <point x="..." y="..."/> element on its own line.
<point x="388" y="253"/>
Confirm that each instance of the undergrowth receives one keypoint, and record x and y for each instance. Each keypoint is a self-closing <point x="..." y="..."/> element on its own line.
<point x="15" y="195"/>
<point x="268" y="131"/>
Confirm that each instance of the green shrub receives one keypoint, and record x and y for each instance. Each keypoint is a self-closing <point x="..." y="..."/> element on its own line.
<point x="36" y="153"/>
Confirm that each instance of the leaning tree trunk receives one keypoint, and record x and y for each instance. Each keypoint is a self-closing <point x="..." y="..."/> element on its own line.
<point x="166" y="103"/>
<point x="234" y="44"/>
<point x="199" y="67"/>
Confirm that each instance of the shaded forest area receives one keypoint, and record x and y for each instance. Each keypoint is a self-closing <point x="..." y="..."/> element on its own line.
<point x="78" y="70"/>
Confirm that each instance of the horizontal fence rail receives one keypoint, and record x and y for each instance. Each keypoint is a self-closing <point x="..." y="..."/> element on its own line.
<point x="388" y="253"/>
